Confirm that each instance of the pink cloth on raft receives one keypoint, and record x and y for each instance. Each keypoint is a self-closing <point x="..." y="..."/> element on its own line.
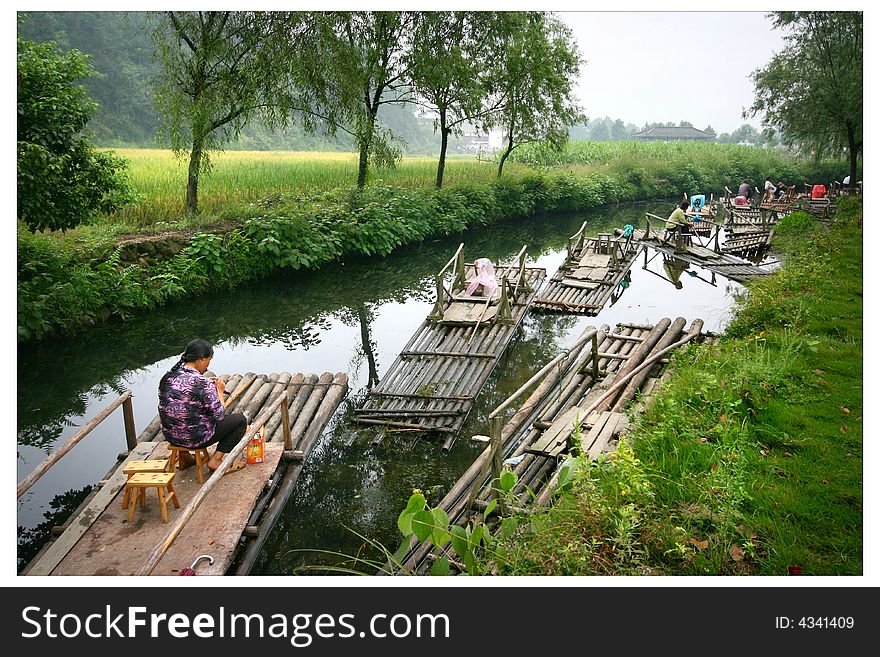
<point x="485" y="277"/>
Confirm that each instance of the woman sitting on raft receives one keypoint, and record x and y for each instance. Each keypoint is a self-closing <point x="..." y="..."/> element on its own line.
<point x="192" y="410"/>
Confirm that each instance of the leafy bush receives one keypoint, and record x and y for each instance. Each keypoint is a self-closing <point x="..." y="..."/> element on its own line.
<point x="62" y="179"/>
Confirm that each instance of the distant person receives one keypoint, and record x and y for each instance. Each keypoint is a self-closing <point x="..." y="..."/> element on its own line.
<point x="745" y="189"/>
<point x="846" y="182"/>
<point x="192" y="410"/>
<point x="678" y="221"/>
<point x="781" y="190"/>
<point x="769" y="188"/>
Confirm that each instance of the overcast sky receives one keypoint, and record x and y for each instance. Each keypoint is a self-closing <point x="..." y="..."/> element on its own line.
<point x="671" y="66"/>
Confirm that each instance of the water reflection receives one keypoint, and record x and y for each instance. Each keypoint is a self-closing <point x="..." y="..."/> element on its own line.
<point x="353" y="317"/>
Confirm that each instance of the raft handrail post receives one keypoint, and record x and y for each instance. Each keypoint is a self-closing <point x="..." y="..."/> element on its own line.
<point x="285" y="422"/>
<point x="595" y="350"/>
<point x="495" y="445"/>
<point x="128" y="419"/>
<point x="458" y="271"/>
<point x="521" y="275"/>
<point x="647" y="226"/>
<point x="439" y="304"/>
<point x="579" y="245"/>
<point x="504" y="315"/>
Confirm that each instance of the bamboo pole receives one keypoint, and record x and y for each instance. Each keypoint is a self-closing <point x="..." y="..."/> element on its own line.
<point x="243" y="384"/>
<point x="292" y="388"/>
<point x="337" y="389"/>
<point x="128" y="419"/>
<point x="53" y="458"/>
<point x="308" y="410"/>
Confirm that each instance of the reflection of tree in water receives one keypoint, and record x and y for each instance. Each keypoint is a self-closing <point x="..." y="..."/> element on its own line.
<point x="368" y="345"/>
<point x="31" y="541"/>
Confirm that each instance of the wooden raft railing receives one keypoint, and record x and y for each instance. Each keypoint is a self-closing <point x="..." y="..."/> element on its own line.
<point x="130" y="438"/>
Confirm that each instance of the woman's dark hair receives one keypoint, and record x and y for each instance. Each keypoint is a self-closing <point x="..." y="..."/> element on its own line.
<point x="195" y="350"/>
<point x="683" y="205"/>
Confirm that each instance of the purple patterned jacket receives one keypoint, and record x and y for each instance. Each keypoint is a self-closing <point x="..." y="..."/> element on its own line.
<point x="189" y="408"/>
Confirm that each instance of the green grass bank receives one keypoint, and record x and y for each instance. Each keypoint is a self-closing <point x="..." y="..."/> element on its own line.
<point x="67" y="282"/>
<point x="749" y="461"/>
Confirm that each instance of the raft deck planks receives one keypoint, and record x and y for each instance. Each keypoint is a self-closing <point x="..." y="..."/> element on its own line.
<point x="100" y="524"/>
<point x="112" y="546"/>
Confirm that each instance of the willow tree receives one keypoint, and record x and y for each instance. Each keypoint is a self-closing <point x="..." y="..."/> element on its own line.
<point x="362" y="57"/>
<point x="812" y="90"/>
<point x="532" y="80"/>
<point x="449" y="55"/>
<point x="219" y="70"/>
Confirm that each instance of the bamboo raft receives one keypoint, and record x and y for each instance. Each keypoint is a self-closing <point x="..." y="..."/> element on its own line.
<point x="690" y="250"/>
<point x="591" y="384"/>
<point x="432" y="384"/>
<point x="740" y="219"/>
<point x="752" y="244"/>
<point x="228" y="518"/>
<point x="592" y="270"/>
<point x="821" y="208"/>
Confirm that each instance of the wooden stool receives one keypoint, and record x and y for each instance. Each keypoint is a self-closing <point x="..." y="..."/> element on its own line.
<point x="133" y="467"/>
<point x="200" y="453"/>
<point x="603" y="243"/>
<point x="138" y="484"/>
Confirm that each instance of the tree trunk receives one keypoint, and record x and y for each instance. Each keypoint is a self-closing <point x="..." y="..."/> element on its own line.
<point x="362" y="164"/>
<point x="367" y="141"/>
<point x="506" y="153"/>
<point x="853" y="156"/>
<point x="441" y="164"/>
<point x="192" y="181"/>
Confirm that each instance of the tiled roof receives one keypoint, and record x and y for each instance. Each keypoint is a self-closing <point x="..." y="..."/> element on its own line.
<point x="674" y="132"/>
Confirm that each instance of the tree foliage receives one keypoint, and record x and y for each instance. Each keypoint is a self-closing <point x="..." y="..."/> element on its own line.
<point x="364" y="58"/>
<point x="209" y="84"/>
<point x="62" y="179"/>
<point x="533" y="78"/>
<point x="812" y="90"/>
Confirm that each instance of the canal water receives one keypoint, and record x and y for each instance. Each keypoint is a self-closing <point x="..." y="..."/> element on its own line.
<point x="350" y="317"/>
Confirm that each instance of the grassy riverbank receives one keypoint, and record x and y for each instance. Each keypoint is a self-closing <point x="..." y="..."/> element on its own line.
<point x="750" y="459"/>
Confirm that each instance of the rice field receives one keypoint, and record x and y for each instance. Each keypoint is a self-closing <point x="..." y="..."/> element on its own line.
<point x="241" y="177"/>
